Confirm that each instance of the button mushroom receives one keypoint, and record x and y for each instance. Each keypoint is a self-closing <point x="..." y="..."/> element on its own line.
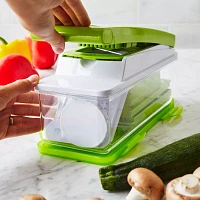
<point x="95" y="199"/>
<point x="197" y="172"/>
<point x="32" y="197"/>
<point x="183" y="188"/>
<point x="145" y="185"/>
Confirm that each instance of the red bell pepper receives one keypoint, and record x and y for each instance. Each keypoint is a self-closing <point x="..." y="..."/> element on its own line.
<point x="14" y="67"/>
<point x="43" y="56"/>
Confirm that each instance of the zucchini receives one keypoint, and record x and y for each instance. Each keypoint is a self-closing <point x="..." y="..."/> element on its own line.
<point x="172" y="161"/>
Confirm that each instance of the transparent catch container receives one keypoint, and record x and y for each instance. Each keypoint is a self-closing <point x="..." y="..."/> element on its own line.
<point x="95" y="126"/>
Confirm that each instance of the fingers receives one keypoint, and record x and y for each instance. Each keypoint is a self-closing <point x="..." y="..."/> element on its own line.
<point x="79" y="11"/>
<point x="28" y="104"/>
<point x="10" y="91"/>
<point x="3" y="127"/>
<point x="58" y="22"/>
<point x="31" y="97"/>
<point x="62" y="16"/>
<point x="25" y="110"/>
<point x="23" y="126"/>
<point x="11" y="102"/>
<point x="5" y="114"/>
<point x="33" y="110"/>
<point x="37" y="18"/>
<point x="20" y="120"/>
<point x="70" y="13"/>
<point x="34" y="98"/>
<point x="48" y="112"/>
<point x="48" y="100"/>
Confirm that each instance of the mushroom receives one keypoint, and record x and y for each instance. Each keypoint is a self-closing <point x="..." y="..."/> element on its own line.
<point x="145" y="185"/>
<point x="95" y="198"/>
<point x="184" y="188"/>
<point x="197" y="172"/>
<point x="32" y="197"/>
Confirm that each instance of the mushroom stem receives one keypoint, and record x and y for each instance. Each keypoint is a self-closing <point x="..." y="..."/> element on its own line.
<point x="135" y="194"/>
<point x="189" y="184"/>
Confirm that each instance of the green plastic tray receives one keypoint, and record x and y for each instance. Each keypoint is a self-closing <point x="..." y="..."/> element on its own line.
<point x="55" y="149"/>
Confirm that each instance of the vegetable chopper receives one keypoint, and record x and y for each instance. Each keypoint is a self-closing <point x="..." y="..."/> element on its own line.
<point x="107" y="93"/>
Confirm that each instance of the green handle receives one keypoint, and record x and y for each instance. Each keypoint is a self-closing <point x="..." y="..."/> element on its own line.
<point x="84" y="34"/>
<point x="113" y="35"/>
<point x="3" y="41"/>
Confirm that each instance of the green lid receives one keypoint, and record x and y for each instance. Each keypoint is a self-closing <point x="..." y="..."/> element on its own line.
<point x="113" y="36"/>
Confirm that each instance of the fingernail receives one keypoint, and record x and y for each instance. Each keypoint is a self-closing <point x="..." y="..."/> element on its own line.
<point x="34" y="79"/>
<point x="57" y="50"/>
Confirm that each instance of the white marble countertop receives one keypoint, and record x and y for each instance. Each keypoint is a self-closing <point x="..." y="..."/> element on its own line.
<point x="23" y="170"/>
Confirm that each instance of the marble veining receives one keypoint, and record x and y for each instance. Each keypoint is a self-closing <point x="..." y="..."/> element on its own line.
<point x="23" y="170"/>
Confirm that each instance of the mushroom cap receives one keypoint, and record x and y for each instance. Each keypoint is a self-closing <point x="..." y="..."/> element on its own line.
<point x="171" y="194"/>
<point x="197" y="172"/>
<point x="95" y="198"/>
<point x="147" y="183"/>
<point x="32" y="197"/>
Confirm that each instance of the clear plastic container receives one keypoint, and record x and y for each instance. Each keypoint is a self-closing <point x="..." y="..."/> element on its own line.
<point x="95" y="123"/>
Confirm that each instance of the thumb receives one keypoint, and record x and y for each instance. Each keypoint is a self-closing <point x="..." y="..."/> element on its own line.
<point x="43" y="27"/>
<point x="57" y="42"/>
<point x="45" y="30"/>
<point x="12" y="90"/>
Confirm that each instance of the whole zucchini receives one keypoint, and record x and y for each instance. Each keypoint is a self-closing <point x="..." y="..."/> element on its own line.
<point x="174" y="160"/>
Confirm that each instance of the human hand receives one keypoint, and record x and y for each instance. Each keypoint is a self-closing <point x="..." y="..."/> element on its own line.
<point x="40" y="16"/>
<point x="16" y="102"/>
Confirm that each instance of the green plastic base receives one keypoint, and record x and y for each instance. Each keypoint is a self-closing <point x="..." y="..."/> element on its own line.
<point x="105" y="158"/>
